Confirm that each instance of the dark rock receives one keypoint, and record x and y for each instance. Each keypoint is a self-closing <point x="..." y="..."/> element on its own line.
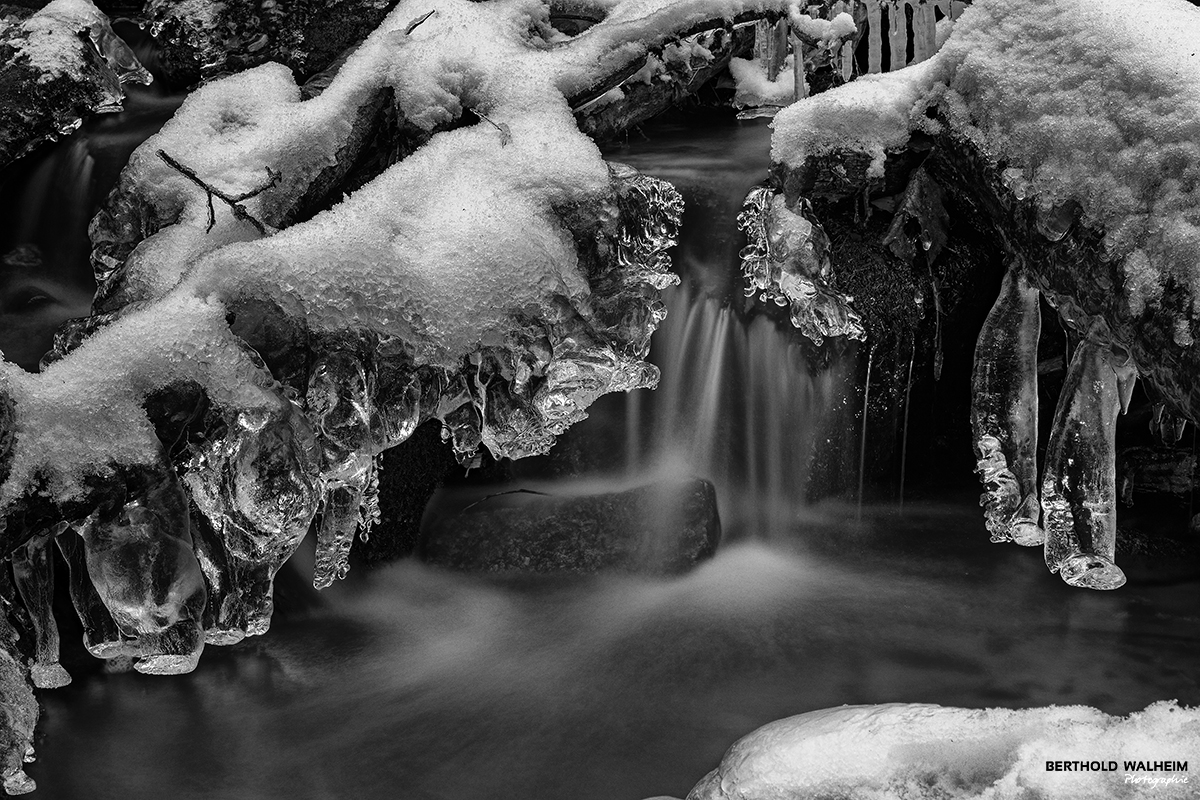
<point x="199" y="41"/>
<point x="1156" y="470"/>
<point x="43" y="101"/>
<point x="663" y="527"/>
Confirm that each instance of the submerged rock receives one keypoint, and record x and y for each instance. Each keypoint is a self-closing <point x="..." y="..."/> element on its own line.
<point x="662" y="527"/>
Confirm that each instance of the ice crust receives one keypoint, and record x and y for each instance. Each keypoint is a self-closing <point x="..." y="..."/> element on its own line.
<point x="922" y="752"/>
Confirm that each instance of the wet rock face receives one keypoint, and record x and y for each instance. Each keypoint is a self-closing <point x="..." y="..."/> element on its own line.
<point x="663" y="527"/>
<point x="57" y="66"/>
<point x="200" y="39"/>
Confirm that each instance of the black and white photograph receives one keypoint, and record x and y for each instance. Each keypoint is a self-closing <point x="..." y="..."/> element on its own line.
<point x="600" y="399"/>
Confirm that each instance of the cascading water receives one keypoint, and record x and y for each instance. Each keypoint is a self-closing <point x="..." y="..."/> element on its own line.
<point x="738" y="405"/>
<point x="740" y="401"/>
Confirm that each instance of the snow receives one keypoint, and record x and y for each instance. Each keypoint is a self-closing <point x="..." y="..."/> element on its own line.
<point x="51" y="37"/>
<point x="828" y="32"/>
<point x="1082" y="103"/>
<point x="1108" y="116"/>
<point x="872" y="114"/>
<point x="922" y="752"/>
<point x="754" y="89"/>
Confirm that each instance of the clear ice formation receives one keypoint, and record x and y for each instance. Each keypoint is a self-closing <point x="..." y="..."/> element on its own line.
<point x="786" y="260"/>
<point x="33" y="573"/>
<point x="1004" y="412"/>
<point x="1079" y="488"/>
<point x="140" y="559"/>
<point x="19" y="710"/>
<point x="1078" y="494"/>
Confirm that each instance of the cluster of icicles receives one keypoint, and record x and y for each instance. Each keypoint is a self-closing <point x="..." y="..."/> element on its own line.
<point x="155" y="577"/>
<point x="1075" y="518"/>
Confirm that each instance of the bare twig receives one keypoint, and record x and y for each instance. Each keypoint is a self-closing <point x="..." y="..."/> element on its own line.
<point x="233" y="201"/>
<point x="412" y="26"/>
<point x="505" y="132"/>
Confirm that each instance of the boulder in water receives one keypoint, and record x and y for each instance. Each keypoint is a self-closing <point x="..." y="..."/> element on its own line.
<point x="662" y="527"/>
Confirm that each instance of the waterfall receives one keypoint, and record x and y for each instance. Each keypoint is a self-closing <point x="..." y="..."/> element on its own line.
<point x="738" y="404"/>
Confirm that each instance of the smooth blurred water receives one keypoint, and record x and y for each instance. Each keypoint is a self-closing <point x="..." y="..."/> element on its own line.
<point x="410" y="682"/>
<point x="417" y="683"/>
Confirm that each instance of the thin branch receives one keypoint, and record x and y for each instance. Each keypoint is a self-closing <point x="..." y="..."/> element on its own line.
<point x="233" y="201"/>
<point x="412" y="26"/>
<point x="505" y="132"/>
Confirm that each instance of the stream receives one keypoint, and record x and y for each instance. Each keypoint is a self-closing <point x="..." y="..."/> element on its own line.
<point x="413" y="682"/>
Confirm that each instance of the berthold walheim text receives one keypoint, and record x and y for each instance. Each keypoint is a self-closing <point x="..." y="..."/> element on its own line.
<point x="1111" y="766"/>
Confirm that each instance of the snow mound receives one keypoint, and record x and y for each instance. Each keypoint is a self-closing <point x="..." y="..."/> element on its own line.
<point x="905" y="751"/>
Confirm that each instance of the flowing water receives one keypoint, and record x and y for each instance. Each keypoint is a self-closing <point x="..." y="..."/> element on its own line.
<point x="411" y="682"/>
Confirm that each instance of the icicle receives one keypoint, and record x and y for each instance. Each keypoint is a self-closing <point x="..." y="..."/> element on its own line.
<point x="780" y="36"/>
<point x="1122" y="364"/>
<point x="924" y="31"/>
<point x="874" y="36"/>
<point x="847" y="61"/>
<point x="770" y="47"/>
<point x="799" y="75"/>
<point x="897" y="35"/>
<point x="786" y="260"/>
<point x="257" y="485"/>
<point x="100" y="634"/>
<point x="1167" y="427"/>
<point x="1079" y="487"/>
<point x="339" y="522"/>
<point x="224" y="615"/>
<point x="862" y="441"/>
<point x="904" y="436"/>
<point x="1004" y="409"/>
<point x="33" y="572"/>
<point x="20" y="714"/>
<point x="957" y="7"/>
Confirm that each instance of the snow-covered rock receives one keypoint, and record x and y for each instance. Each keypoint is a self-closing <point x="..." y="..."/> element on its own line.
<point x="920" y="752"/>
<point x="60" y="64"/>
